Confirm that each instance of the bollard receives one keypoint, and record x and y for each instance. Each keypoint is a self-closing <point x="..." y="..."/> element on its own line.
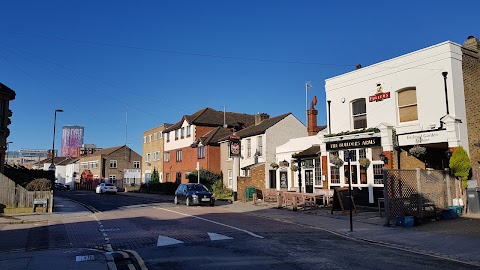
<point x="279" y="201"/>
<point x="294" y="204"/>
<point x="254" y="199"/>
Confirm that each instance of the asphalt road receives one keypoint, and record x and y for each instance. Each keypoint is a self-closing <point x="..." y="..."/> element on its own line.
<point x="168" y="236"/>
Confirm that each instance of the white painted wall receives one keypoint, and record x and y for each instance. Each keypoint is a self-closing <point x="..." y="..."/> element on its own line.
<point x="69" y="170"/>
<point x="421" y="69"/>
<point x="180" y="143"/>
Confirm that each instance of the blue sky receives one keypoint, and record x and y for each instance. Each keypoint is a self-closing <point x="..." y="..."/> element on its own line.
<point x="154" y="61"/>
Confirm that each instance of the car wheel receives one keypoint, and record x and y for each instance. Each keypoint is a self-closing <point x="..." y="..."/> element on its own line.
<point x="212" y="203"/>
<point x="175" y="200"/>
<point x="188" y="202"/>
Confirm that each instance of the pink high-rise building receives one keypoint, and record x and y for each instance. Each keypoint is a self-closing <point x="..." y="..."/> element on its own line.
<point x="72" y="138"/>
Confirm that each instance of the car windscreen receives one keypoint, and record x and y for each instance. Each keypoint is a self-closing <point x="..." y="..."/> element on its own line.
<point x="197" y="188"/>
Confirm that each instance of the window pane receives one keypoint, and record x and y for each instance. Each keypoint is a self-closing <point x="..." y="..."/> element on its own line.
<point x="408" y="113"/>
<point x="360" y="121"/>
<point x="359" y="107"/>
<point x="335" y="175"/>
<point x="407" y="97"/>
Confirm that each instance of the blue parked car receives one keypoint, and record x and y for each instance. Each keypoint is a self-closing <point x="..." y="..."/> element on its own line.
<point x="194" y="194"/>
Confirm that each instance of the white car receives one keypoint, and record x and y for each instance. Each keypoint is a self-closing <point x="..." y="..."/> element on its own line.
<point x="106" y="188"/>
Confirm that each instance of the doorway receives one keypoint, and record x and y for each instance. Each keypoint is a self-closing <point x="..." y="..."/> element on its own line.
<point x="273" y="178"/>
<point x="309" y="181"/>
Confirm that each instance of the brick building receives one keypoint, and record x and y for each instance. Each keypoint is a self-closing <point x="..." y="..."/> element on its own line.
<point x="6" y="95"/>
<point x="152" y="152"/>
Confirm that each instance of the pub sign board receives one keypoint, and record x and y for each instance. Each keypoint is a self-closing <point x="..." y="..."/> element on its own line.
<point x="355" y="143"/>
<point x="234" y="146"/>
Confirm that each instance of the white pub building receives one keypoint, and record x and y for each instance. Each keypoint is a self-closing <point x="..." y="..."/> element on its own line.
<point x="405" y="113"/>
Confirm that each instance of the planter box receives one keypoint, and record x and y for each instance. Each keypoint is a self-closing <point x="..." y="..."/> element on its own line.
<point x="458" y="210"/>
<point x="406" y="221"/>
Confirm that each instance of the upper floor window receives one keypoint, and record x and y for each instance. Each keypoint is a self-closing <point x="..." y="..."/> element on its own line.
<point x="182" y="132"/>
<point x="188" y="130"/>
<point x="136" y="164"/>
<point x="167" y="156"/>
<point x="155" y="136"/>
<point x="144" y="139"/>
<point x="249" y="147"/>
<point x="176" y="134"/>
<point x="160" y="134"/>
<point x="113" y="164"/>
<point x="407" y="104"/>
<point x="168" y="136"/>
<point x="259" y="145"/>
<point x="150" y="138"/>
<point x="179" y="155"/>
<point x="84" y="165"/>
<point x="93" y="164"/>
<point x="156" y="155"/>
<point x="148" y="157"/>
<point x="201" y="151"/>
<point x="359" y="113"/>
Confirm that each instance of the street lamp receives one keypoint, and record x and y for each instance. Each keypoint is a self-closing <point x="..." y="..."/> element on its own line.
<point x="6" y="152"/>
<point x="52" y="165"/>
<point x="348" y="157"/>
<point x="200" y="144"/>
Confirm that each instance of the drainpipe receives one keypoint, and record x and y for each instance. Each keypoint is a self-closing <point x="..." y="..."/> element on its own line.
<point x="445" y="82"/>
<point x="329" y="123"/>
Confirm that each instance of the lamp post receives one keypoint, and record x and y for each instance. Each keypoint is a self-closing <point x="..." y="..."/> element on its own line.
<point x="52" y="165"/>
<point x="6" y="152"/>
<point x="299" y="162"/>
<point x="348" y="157"/>
<point x="198" y="164"/>
<point x="308" y="85"/>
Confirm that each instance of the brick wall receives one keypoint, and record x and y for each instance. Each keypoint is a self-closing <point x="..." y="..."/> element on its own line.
<point x="256" y="179"/>
<point x="471" y="81"/>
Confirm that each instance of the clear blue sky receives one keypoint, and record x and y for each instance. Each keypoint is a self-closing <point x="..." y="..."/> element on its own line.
<point x="159" y="60"/>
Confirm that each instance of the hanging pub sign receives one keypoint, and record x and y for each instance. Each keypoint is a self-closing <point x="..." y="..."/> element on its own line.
<point x="379" y="95"/>
<point x="234" y="146"/>
<point x="356" y="143"/>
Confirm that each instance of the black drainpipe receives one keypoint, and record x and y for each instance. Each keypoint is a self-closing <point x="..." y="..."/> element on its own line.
<point x="445" y="82"/>
<point x="329" y="123"/>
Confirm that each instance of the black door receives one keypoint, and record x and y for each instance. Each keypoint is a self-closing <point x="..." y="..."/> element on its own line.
<point x="309" y="181"/>
<point x="273" y="178"/>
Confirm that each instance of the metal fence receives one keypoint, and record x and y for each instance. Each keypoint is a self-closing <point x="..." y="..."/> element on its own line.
<point x="16" y="196"/>
<point x="419" y="193"/>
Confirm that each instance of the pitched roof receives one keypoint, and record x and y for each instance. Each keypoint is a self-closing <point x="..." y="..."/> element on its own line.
<point x="48" y="160"/>
<point x="214" y="136"/>
<point x="213" y="118"/>
<point x="309" y="152"/>
<point x="5" y="90"/>
<point x="107" y="151"/>
<point x="261" y="127"/>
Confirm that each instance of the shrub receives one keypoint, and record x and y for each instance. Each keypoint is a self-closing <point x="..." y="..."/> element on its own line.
<point x="39" y="185"/>
<point x="206" y="177"/>
<point x="460" y="165"/>
<point x="220" y="191"/>
<point x="155" y="177"/>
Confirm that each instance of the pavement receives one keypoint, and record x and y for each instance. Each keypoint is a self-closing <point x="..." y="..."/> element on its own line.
<point x="456" y="239"/>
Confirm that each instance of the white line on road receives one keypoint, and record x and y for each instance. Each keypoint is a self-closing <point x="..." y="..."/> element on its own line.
<point x="215" y="222"/>
<point x="218" y="237"/>
<point x="140" y="261"/>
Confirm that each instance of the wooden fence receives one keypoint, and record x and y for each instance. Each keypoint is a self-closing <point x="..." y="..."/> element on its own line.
<point x="16" y="196"/>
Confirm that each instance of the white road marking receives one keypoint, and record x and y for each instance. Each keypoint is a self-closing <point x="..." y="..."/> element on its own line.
<point x="166" y="241"/>
<point x="218" y="223"/>
<point x="140" y="261"/>
<point x="217" y="237"/>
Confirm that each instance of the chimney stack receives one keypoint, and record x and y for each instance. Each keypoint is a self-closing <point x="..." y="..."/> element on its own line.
<point x="312" y="127"/>
<point x="259" y="117"/>
<point x="472" y="43"/>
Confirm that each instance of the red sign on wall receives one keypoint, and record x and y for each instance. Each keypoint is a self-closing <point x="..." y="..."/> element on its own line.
<point x="379" y="97"/>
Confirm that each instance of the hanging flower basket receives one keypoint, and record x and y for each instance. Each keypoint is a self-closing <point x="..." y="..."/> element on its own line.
<point x="364" y="162"/>
<point x="274" y="165"/>
<point x="337" y="162"/>
<point x="417" y="151"/>
<point x="294" y="168"/>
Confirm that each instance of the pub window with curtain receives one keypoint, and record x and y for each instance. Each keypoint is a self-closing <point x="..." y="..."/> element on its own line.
<point x="407" y="104"/>
<point x="359" y="113"/>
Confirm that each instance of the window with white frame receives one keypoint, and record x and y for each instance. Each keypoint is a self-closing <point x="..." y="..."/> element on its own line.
<point x="179" y="155"/>
<point x="259" y="146"/>
<point x="136" y="164"/>
<point x="160" y="134"/>
<point x="182" y="132"/>
<point x="156" y="155"/>
<point x="359" y="113"/>
<point x="334" y="175"/>
<point x="144" y="139"/>
<point x="167" y="156"/>
<point x="318" y="172"/>
<point x="113" y="164"/>
<point x="155" y="136"/>
<point x="176" y="134"/>
<point x="148" y="157"/>
<point x="168" y="136"/>
<point x="93" y="164"/>
<point x="84" y="165"/>
<point x="201" y="151"/>
<point x="189" y="130"/>
<point x="249" y="147"/>
<point x="150" y="138"/>
<point x="112" y="177"/>
<point x="407" y="104"/>
<point x="377" y="174"/>
<point x="230" y="178"/>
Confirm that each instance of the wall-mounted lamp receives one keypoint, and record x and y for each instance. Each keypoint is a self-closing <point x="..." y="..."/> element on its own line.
<point x="285" y="163"/>
<point x="383" y="158"/>
<point x="448" y="153"/>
